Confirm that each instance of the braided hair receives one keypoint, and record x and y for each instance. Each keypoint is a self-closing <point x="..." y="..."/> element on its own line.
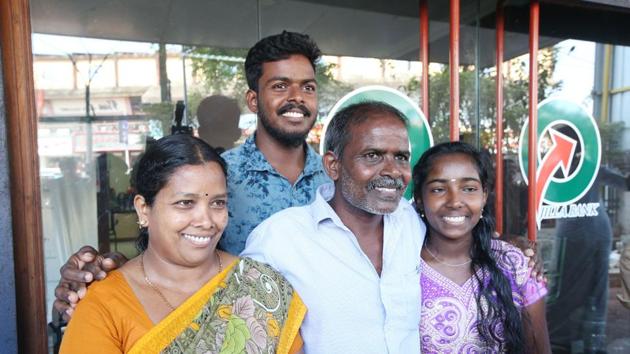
<point x="494" y="299"/>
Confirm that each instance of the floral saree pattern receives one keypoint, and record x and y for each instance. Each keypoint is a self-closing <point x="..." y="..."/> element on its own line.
<point x="252" y="310"/>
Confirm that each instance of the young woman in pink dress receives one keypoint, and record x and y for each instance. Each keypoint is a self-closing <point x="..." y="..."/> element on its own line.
<point x="477" y="295"/>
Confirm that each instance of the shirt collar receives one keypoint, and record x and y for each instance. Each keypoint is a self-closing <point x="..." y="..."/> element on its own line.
<point x="320" y="209"/>
<point x="256" y="161"/>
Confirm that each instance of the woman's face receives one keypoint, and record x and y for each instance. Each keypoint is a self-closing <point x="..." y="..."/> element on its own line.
<point x="452" y="197"/>
<point x="188" y="215"/>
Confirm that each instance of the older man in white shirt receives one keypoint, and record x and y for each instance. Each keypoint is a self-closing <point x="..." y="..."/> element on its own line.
<point x="353" y="254"/>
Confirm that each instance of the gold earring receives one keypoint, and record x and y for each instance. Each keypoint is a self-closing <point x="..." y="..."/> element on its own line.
<point x="142" y="223"/>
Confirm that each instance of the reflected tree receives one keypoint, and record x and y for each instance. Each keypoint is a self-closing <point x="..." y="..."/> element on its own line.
<point x="221" y="71"/>
<point x="516" y="84"/>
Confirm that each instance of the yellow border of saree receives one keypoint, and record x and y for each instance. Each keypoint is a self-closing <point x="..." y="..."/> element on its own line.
<point x="290" y="340"/>
<point x="163" y="333"/>
<point x="167" y="330"/>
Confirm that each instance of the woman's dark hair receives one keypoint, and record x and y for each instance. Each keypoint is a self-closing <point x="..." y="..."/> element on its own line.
<point x="161" y="159"/>
<point x="495" y="289"/>
<point x="278" y="47"/>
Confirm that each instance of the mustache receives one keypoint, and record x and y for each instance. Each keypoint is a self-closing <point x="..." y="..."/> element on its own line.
<point x="290" y="106"/>
<point x="385" y="182"/>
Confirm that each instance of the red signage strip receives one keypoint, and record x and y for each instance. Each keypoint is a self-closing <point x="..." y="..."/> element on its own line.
<point x="454" y="66"/>
<point x="534" y="21"/>
<point x="498" y="202"/>
<point x="424" y="56"/>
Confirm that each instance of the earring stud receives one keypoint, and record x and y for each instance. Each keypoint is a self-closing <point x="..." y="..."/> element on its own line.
<point x="142" y="223"/>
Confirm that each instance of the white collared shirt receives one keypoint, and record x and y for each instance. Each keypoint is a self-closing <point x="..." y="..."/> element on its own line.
<point x="350" y="308"/>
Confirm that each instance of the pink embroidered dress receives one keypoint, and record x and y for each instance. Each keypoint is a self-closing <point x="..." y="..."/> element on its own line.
<point x="449" y="311"/>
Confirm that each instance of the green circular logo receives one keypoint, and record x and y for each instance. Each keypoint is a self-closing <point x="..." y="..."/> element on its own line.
<point x="417" y="126"/>
<point x="569" y="151"/>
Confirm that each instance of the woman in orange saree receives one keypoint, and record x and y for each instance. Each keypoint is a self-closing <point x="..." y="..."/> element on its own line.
<point x="181" y="294"/>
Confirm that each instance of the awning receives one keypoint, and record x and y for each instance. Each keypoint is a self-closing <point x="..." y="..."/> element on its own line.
<point x="362" y="28"/>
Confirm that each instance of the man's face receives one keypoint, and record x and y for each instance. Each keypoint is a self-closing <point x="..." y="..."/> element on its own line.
<point x="374" y="169"/>
<point x="286" y="101"/>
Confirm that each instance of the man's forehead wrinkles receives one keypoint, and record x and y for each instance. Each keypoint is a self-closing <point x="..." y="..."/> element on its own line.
<point x="383" y="142"/>
<point x="384" y="150"/>
<point x="384" y="134"/>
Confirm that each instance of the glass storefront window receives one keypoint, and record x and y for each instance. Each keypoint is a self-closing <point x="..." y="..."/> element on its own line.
<point x="100" y="99"/>
<point x="94" y="101"/>
<point x="582" y="253"/>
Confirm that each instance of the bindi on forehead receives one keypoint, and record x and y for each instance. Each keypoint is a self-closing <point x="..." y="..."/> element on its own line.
<point x="193" y="195"/>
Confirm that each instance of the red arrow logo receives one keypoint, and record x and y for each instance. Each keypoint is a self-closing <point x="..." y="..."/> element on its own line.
<point x="559" y="156"/>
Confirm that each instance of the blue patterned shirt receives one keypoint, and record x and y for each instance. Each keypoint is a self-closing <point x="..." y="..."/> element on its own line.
<point x="256" y="190"/>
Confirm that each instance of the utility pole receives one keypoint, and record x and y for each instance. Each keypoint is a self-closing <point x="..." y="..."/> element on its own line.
<point x="165" y="83"/>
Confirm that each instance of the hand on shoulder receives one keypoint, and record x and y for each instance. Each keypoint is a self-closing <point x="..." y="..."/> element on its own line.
<point x="78" y="272"/>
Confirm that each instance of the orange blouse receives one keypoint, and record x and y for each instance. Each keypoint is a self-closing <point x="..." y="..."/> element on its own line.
<point x="111" y="319"/>
<point x="111" y="308"/>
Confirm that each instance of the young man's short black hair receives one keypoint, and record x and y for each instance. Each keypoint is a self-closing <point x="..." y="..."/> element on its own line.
<point x="278" y="47"/>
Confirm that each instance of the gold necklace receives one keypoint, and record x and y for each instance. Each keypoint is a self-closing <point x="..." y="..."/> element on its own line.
<point x="157" y="290"/>
<point x="446" y="264"/>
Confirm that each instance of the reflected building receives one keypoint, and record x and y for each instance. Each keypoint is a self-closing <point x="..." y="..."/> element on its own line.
<point x="98" y="93"/>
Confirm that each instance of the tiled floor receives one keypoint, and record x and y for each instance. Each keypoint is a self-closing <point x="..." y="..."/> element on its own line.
<point x="618" y="326"/>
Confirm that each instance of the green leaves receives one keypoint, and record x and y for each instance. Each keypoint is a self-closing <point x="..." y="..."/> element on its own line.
<point x="236" y="336"/>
